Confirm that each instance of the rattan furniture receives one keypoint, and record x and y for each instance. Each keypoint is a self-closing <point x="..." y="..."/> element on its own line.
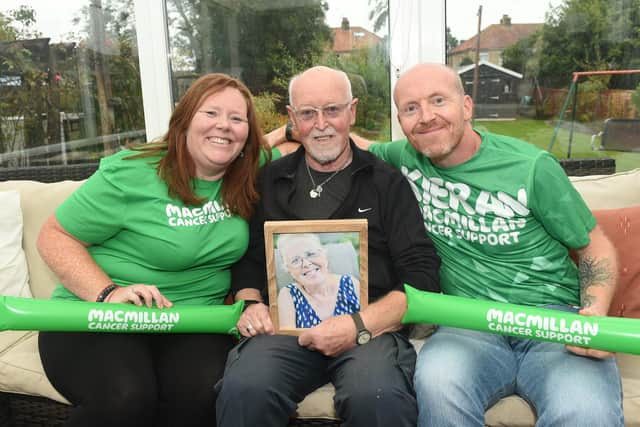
<point x="76" y="172"/>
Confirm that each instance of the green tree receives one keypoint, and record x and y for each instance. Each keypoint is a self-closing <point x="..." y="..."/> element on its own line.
<point x="23" y="101"/>
<point x="589" y="96"/>
<point x="264" y="42"/>
<point x="466" y="61"/>
<point x="515" y="57"/>
<point x="18" y="24"/>
<point x="582" y="35"/>
<point x="279" y="41"/>
<point x="379" y="14"/>
<point x="368" y="71"/>
<point x="110" y="74"/>
<point x="7" y="32"/>
<point x="451" y="41"/>
<point x="93" y="80"/>
<point x="635" y="98"/>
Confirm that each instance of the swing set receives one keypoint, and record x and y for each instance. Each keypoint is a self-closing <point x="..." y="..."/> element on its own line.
<point x="618" y="134"/>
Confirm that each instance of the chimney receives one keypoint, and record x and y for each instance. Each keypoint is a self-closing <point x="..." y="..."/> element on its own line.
<point x="345" y="24"/>
<point x="505" y="20"/>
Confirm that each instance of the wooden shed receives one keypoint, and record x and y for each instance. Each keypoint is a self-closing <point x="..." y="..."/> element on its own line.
<point x="497" y="90"/>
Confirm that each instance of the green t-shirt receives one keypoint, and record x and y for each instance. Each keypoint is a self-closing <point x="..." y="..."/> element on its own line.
<point x="502" y="221"/>
<point x="138" y="234"/>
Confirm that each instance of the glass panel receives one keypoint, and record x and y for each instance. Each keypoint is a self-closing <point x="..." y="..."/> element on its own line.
<point x="69" y="81"/>
<point x="534" y="49"/>
<point x="266" y="42"/>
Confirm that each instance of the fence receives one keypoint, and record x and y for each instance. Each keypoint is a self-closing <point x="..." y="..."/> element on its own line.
<point x="609" y="103"/>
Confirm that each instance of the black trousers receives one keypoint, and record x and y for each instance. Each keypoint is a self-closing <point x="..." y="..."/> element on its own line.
<point x="122" y="380"/>
<point x="267" y="376"/>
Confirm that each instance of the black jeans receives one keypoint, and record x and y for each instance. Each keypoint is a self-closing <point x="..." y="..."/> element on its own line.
<point x="266" y="377"/>
<point x="136" y="379"/>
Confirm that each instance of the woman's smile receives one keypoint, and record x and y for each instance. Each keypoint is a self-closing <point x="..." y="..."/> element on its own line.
<point x="312" y="271"/>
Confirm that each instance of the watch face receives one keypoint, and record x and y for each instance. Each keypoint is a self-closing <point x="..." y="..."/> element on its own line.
<point x="364" y="337"/>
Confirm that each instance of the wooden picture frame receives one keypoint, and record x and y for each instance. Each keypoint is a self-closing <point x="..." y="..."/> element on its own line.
<point x="315" y="269"/>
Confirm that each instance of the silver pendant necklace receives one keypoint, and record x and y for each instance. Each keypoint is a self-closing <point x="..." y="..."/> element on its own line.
<point x="316" y="190"/>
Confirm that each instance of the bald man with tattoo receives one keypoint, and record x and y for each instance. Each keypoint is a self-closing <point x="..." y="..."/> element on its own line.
<point x="504" y="218"/>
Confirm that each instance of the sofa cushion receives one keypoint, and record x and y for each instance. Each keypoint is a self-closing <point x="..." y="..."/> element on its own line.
<point x="609" y="191"/>
<point x="630" y="372"/>
<point x="622" y="227"/>
<point x="14" y="276"/>
<point x="21" y="370"/>
<point x="20" y="367"/>
<point x="38" y="201"/>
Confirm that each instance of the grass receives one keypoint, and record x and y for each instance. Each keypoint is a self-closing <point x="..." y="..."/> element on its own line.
<point x="540" y="132"/>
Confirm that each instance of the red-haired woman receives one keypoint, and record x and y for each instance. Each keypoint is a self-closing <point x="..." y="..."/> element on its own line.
<point x="157" y="225"/>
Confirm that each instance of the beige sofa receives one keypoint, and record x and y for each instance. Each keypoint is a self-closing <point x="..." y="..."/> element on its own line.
<point x="21" y="371"/>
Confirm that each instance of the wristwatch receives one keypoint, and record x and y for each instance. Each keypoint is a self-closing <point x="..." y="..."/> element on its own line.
<point x="249" y="302"/>
<point x="363" y="335"/>
<point x="288" y="132"/>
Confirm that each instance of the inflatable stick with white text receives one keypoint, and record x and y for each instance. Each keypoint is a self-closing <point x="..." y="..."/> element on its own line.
<point x="604" y="333"/>
<point x="27" y="314"/>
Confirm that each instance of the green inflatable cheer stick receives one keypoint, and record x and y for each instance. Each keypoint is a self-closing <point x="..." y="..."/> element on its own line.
<point x="79" y="316"/>
<point x="605" y="333"/>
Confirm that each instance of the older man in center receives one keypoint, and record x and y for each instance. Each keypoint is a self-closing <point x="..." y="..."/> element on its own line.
<point x="366" y="355"/>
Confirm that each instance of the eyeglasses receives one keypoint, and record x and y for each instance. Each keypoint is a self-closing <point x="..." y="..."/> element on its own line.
<point x="217" y="116"/>
<point x="307" y="113"/>
<point x="312" y="254"/>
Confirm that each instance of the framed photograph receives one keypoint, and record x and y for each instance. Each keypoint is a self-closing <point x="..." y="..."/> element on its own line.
<point x="316" y="269"/>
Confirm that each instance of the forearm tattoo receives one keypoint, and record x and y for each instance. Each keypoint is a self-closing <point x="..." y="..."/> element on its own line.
<point x="593" y="272"/>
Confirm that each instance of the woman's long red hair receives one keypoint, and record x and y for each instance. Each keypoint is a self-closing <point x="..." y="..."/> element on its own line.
<point x="176" y="166"/>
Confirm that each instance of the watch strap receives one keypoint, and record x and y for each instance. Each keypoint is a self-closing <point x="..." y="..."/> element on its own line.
<point x="363" y="335"/>
<point x="358" y="321"/>
<point x="248" y="302"/>
<point x="288" y="132"/>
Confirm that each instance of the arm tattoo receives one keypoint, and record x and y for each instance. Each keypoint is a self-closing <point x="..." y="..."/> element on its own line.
<point x="593" y="272"/>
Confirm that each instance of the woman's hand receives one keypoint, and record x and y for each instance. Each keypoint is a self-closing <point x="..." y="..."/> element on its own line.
<point x="139" y="294"/>
<point x="255" y="321"/>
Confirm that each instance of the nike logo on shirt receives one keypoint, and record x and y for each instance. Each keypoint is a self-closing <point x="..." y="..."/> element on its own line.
<point x="360" y="210"/>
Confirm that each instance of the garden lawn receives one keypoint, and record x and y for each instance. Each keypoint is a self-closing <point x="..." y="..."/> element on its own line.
<point x="539" y="133"/>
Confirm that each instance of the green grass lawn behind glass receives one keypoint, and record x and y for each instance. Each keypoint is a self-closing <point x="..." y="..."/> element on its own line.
<point x="539" y="133"/>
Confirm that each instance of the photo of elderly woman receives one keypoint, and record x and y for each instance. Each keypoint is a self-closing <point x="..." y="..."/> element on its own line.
<point x="316" y="280"/>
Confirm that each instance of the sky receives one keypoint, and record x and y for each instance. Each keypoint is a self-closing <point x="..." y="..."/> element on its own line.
<point x="51" y="23"/>
<point x="461" y="14"/>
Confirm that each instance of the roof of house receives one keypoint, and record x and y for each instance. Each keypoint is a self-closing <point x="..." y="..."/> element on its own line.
<point x="352" y="38"/>
<point x="489" y="64"/>
<point x="498" y="36"/>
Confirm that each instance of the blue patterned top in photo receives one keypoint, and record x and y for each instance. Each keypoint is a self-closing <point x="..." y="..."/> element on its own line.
<point x="347" y="302"/>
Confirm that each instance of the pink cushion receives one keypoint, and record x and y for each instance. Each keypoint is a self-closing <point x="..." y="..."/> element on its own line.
<point x="622" y="226"/>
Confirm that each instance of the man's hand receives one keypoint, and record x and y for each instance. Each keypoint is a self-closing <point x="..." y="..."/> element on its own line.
<point x="589" y="352"/>
<point x="331" y="337"/>
<point x="255" y="321"/>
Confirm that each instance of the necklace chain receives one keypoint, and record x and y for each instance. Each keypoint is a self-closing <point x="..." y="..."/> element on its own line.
<point x="316" y="190"/>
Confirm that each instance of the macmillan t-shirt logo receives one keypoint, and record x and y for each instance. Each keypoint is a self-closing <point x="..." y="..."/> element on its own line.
<point x="449" y="210"/>
<point x="209" y="213"/>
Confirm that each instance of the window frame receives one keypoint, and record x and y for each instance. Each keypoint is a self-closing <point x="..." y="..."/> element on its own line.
<point x="155" y="68"/>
